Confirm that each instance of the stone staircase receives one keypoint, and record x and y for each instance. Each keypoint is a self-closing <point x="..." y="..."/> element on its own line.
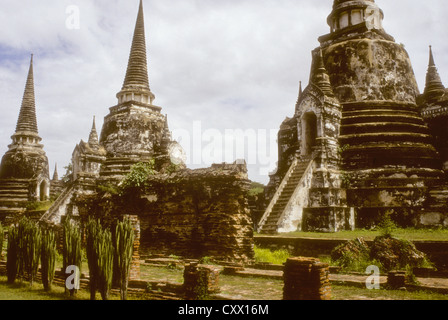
<point x="58" y="208"/>
<point x="14" y="196"/>
<point x="269" y="224"/>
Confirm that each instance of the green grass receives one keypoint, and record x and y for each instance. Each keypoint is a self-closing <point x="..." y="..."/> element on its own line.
<point x="268" y="256"/>
<point x="21" y="291"/>
<point x="406" y="234"/>
<point x="251" y="288"/>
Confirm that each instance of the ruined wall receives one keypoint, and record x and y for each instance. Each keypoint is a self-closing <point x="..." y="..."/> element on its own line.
<point x="199" y="213"/>
<point x="189" y="213"/>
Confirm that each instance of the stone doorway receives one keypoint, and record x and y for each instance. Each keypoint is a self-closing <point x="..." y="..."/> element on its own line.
<point x="309" y="133"/>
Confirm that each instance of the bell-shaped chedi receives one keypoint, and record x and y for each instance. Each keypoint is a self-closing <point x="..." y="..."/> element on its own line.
<point x="24" y="171"/>
<point x="134" y="128"/>
<point x="26" y="158"/>
<point x="386" y="162"/>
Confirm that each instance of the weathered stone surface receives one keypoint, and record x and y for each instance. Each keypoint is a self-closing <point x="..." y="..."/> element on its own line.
<point x="24" y="171"/>
<point x="190" y="213"/>
<point x="368" y="129"/>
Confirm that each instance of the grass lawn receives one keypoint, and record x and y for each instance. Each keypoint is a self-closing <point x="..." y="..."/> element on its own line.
<point x="22" y="291"/>
<point x="267" y="289"/>
<point x="406" y="234"/>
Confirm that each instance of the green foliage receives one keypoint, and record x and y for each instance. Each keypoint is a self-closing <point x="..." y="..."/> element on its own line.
<point x="139" y="174"/>
<point x="12" y="262"/>
<point x="346" y="180"/>
<point x="48" y="258"/>
<point x="92" y="230"/>
<point x="350" y="261"/>
<point x="24" y="246"/>
<point x="386" y="226"/>
<point x="124" y="248"/>
<point x="38" y="205"/>
<point x="172" y="168"/>
<point x="67" y="178"/>
<point x="100" y="255"/>
<point x="105" y="263"/>
<point x="32" y="249"/>
<point x="268" y="256"/>
<point x="72" y="255"/>
<point x="256" y="189"/>
<point x="109" y="188"/>
<point x="2" y="237"/>
<point x="342" y="149"/>
<point x="206" y="260"/>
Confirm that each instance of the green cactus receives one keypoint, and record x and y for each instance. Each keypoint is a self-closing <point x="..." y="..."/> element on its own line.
<point x="93" y="228"/>
<point x="21" y="245"/>
<point x="1" y="240"/>
<point x="105" y="263"/>
<point x="31" y="249"/>
<point x="48" y="258"/>
<point x="12" y="262"/>
<point x="124" y="247"/>
<point x="71" y="247"/>
<point x="100" y="256"/>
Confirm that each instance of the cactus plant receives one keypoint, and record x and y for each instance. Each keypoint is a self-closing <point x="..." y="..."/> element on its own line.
<point x="12" y="263"/>
<point x="31" y="249"/>
<point x="48" y="258"/>
<point x="100" y="254"/>
<point x="105" y="263"/>
<point x="1" y="240"/>
<point x="72" y="248"/>
<point x="124" y="247"/>
<point x="92" y="230"/>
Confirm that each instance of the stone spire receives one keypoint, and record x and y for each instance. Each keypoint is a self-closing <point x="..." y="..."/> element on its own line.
<point x="166" y="131"/>
<point x="434" y="88"/>
<point x="27" y="121"/>
<point x="93" y="137"/>
<point x="319" y="75"/>
<point x="55" y="174"/>
<point x="136" y="82"/>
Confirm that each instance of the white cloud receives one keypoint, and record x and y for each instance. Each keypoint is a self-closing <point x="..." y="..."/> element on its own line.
<point x="230" y="64"/>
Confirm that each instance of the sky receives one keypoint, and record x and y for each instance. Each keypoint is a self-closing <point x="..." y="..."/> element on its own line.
<point x="225" y="72"/>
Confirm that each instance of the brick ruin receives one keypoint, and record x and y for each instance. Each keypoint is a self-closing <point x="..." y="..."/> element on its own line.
<point x="189" y="213"/>
<point x="363" y="142"/>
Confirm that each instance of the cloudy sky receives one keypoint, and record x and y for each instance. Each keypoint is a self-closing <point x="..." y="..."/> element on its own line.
<point x="218" y="68"/>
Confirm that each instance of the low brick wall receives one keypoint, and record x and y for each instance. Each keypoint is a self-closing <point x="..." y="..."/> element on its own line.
<point x="306" y="279"/>
<point x="437" y="251"/>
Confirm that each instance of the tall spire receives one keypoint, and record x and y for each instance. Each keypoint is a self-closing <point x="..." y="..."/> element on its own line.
<point x="27" y="121"/>
<point x="137" y="72"/>
<point x="136" y="82"/>
<point x="434" y="87"/>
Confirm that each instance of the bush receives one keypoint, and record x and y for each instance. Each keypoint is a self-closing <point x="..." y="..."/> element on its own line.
<point x="139" y="174"/>
<point x="268" y="256"/>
